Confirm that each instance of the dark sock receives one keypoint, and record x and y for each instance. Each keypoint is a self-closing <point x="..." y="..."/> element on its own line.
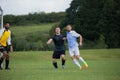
<point x="1" y="60"/>
<point x="63" y="62"/>
<point x="7" y="63"/>
<point x="55" y="65"/>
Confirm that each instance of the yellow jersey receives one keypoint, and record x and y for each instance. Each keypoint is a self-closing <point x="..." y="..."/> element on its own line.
<point x="4" y="38"/>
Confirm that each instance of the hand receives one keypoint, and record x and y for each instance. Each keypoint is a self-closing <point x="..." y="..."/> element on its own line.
<point x="64" y="38"/>
<point x="11" y="49"/>
<point x="47" y="43"/>
<point x="80" y="43"/>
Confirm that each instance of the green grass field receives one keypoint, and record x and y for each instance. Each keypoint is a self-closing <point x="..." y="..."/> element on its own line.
<point x="104" y="64"/>
<point x="21" y="31"/>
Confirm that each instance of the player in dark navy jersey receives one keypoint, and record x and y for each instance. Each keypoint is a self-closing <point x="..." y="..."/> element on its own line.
<point x="59" y="50"/>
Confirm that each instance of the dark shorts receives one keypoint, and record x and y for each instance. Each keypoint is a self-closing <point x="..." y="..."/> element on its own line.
<point x="2" y="49"/>
<point x="57" y="54"/>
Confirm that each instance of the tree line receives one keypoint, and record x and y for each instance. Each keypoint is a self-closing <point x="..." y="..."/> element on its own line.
<point x="97" y="20"/>
<point x="34" y="18"/>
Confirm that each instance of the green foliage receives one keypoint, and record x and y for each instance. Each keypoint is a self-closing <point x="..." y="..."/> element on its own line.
<point x="100" y="43"/>
<point x="25" y="38"/>
<point x="93" y="18"/>
<point x="34" y="18"/>
<point x="52" y="30"/>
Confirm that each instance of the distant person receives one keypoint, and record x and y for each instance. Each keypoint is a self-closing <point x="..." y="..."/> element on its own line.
<point x="59" y="50"/>
<point x="5" y="45"/>
<point x="73" y="46"/>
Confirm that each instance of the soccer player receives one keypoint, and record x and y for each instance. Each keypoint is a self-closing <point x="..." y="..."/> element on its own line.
<point x="73" y="46"/>
<point x="5" y="42"/>
<point x="59" y="50"/>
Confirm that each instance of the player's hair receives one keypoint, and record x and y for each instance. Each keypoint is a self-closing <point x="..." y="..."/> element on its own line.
<point x="57" y="27"/>
<point x="6" y="23"/>
<point x="68" y="25"/>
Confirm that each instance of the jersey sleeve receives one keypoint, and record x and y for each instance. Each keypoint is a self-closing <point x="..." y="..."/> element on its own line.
<point x="9" y="40"/>
<point x="75" y="34"/>
<point x="52" y="37"/>
<point x="1" y="32"/>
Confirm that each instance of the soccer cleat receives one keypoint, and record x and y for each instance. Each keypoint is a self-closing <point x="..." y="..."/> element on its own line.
<point x="1" y="68"/>
<point x="85" y="66"/>
<point x="7" y="68"/>
<point x="55" y="69"/>
<point x="63" y="66"/>
<point x="80" y="68"/>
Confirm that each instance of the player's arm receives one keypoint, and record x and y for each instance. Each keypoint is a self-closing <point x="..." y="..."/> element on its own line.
<point x="81" y="40"/>
<point x="78" y="36"/>
<point x="9" y="43"/>
<point x="64" y="37"/>
<point x="49" y="41"/>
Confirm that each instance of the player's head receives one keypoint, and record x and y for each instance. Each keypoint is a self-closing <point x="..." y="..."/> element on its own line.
<point x="7" y="25"/>
<point x="57" y="30"/>
<point x="68" y="27"/>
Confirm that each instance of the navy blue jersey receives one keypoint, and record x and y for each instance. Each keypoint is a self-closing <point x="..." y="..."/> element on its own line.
<point x="59" y="42"/>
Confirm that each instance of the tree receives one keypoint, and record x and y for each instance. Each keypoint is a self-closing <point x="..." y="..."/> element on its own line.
<point x="93" y="18"/>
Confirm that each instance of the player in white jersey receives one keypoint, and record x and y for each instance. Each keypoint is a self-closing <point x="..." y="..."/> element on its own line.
<point x="73" y="46"/>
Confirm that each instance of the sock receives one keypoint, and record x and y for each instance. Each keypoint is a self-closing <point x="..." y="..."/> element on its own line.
<point x="1" y="60"/>
<point x="63" y="62"/>
<point x="82" y="60"/>
<point x="7" y="63"/>
<point x="76" y="62"/>
<point x="55" y="65"/>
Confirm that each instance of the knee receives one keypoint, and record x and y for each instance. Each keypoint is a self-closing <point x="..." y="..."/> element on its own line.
<point x="63" y="57"/>
<point x="54" y="61"/>
<point x="4" y="55"/>
<point x="7" y="57"/>
<point x="78" y="57"/>
<point x="72" y="57"/>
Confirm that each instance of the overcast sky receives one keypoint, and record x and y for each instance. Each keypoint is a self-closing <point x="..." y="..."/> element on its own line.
<point x="18" y="7"/>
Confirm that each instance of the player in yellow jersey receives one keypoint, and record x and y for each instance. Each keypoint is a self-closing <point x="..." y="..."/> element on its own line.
<point x="5" y="43"/>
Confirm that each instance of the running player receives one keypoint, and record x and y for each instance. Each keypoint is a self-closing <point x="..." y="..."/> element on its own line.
<point x="5" y="42"/>
<point x="59" y="50"/>
<point x="73" y="46"/>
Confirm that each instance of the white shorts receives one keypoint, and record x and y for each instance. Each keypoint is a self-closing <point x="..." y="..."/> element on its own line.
<point x="74" y="52"/>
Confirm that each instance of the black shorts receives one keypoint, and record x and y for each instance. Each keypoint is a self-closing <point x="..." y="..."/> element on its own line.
<point x="4" y="49"/>
<point x="57" y="54"/>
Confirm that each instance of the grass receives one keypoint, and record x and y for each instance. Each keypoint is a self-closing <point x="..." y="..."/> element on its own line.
<point x="104" y="64"/>
<point x="21" y="31"/>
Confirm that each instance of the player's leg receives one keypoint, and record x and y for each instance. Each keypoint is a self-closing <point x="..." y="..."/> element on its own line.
<point x="1" y="54"/>
<point x="55" y="63"/>
<point x="2" y="58"/>
<point x="63" y="60"/>
<point x="7" y="61"/>
<point x="80" y="58"/>
<point x="76" y="62"/>
<point x="54" y="58"/>
<point x="74" y="58"/>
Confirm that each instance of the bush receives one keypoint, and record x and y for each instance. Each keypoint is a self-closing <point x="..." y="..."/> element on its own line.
<point x="100" y="43"/>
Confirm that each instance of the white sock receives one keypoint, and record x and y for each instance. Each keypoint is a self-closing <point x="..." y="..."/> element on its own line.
<point x="76" y="62"/>
<point x="82" y="60"/>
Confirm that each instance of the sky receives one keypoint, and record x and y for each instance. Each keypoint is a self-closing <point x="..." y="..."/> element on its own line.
<point x="19" y="7"/>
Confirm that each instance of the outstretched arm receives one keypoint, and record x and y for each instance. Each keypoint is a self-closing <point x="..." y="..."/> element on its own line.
<point x="49" y="41"/>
